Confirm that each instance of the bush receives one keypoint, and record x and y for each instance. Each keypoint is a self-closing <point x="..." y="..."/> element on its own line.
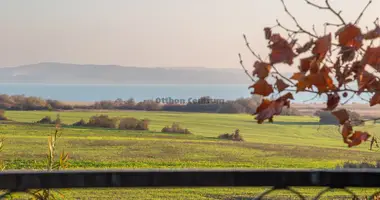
<point x="175" y="128"/>
<point x="80" y="123"/>
<point x="236" y="136"/>
<point x="231" y="107"/>
<point x="131" y="123"/>
<point x="325" y="117"/>
<point x="290" y="112"/>
<point x="103" y="121"/>
<point x="2" y="115"/>
<point x="46" y="120"/>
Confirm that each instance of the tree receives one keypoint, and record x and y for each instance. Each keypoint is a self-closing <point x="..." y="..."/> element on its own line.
<point x="329" y="64"/>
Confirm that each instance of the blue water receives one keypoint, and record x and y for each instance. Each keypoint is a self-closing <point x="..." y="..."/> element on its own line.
<point x="66" y="92"/>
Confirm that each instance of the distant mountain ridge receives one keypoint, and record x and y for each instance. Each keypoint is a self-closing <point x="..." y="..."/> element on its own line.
<point x="62" y="73"/>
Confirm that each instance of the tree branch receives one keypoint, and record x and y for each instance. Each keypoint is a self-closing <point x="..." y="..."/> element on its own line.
<point x="361" y="14"/>
<point x="250" y="49"/>
<point x="315" y="5"/>
<point x="245" y="70"/>
<point x="333" y="11"/>
<point x="296" y="22"/>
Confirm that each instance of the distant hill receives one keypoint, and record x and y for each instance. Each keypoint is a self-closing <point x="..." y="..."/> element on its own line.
<point x="59" y="73"/>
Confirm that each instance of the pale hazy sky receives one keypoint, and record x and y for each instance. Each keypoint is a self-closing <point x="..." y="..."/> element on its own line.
<point x="150" y="32"/>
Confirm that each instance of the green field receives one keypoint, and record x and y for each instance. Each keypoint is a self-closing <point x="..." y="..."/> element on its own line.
<point x="291" y="142"/>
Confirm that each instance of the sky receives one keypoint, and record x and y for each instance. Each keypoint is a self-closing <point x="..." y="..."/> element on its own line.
<point x="153" y="33"/>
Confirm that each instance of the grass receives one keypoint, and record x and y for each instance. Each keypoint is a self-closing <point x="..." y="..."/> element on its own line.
<point x="291" y="142"/>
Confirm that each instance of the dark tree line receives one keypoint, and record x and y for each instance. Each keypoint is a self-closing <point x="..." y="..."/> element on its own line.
<point x="205" y="105"/>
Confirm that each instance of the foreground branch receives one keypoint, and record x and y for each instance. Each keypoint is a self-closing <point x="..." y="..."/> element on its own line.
<point x="245" y="70"/>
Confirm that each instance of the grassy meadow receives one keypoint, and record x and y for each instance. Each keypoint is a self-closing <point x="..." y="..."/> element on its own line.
<point x="291" y="142"/>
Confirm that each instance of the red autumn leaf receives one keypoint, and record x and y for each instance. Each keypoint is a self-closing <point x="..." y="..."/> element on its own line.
<point x="322" y="46"/>
<point x="305" y="47"/>
<point x="342" y="115"/>
<point x="365" y="81"/>
<point x="373" y="34"/>
<point x="281" y="85"/>
<point x="261" y="87"/>
<point x="372" y="58"/>
<point x="357" y="138"/>
<point x="274" y="108"/>
<point x="285" y="97"/>
<point x="375" y="99"/>
<point x="268" y="33"/>
<point x="305" y="63"/>
<point x="261" y="69"/>
<point x="346" y="131"/>
<point x="350" y="36"/>
<point x="332" y="101"/>
<point x="281" y="50"/>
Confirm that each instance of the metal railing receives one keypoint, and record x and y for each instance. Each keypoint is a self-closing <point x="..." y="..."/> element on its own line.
<point x="21" y="181"/>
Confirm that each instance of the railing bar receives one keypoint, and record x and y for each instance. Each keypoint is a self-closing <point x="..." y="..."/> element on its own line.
<point x="22" y="180"/>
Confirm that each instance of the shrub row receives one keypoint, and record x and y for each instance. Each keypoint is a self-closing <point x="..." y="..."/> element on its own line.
<point x="104" y="121"/>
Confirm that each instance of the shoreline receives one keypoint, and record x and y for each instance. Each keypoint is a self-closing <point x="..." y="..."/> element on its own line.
<point x="305" y="108"/>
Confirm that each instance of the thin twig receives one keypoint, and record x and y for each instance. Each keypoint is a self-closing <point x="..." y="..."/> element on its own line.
<point x="336" y="13"/>
<point x="296" y="22"/>
<point x="361" y="14"/>
<point x="315" y="5"/>
<point x="352" y="96"/>
<point x="315" y="31"/>
<point x="328" y="7"/>
<point x="250" y="49"/>
<point x="316" y="95"/>
<point x="282" y="76"/>
<point x="245" y="70"/>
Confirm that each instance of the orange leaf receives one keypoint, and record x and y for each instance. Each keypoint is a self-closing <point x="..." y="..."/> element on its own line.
<point x="264" y="105"/>
<point x="322" y="81"/>
<point x="350" y="36"/>
<point x="373" y="34"/>
<point x="298" y="76"/>
<point x="268" y="33"/>
<point x="302" y="81"/>
<point x="281" y="85"/>
<point x="305" y="47"/>
<point x="281" y="50"/>
<point x="322" y="46"/>
<point x="375" y="99"/>
<point x="332" y="101"/>
<point x="357" y="138"/>
<point x="342" y="115"/>
<point x="261" y="87"/>
<point x="262" y="69"/>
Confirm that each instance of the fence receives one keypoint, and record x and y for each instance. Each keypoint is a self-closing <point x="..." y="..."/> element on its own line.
<point x="21" y="181"/>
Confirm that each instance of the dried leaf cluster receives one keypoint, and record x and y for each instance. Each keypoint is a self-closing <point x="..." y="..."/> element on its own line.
<point x="327" y="65"/>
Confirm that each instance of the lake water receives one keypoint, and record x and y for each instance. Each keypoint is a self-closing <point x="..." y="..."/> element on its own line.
<point x="86" y="93"/>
